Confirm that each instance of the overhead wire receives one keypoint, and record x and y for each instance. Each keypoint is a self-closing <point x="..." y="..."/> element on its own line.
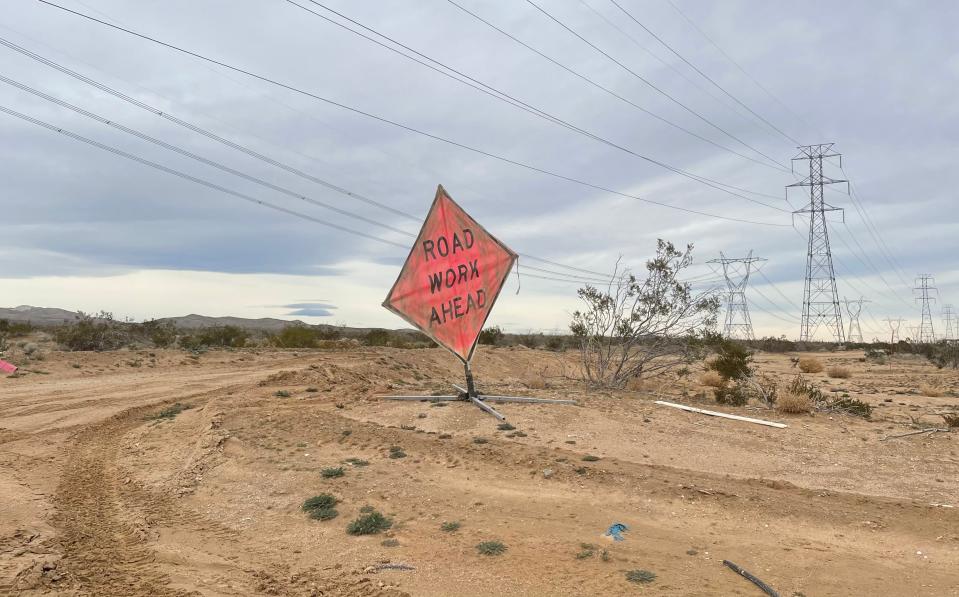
<point x="703" y="74"/>
<point x="609" y="91"/>
<point x="648" y="83"/>
<point x="407" y="127"/>
<point x="511" y="100"/>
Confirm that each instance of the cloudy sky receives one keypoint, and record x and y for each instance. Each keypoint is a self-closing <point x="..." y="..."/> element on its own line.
<point x="84" y="228"/>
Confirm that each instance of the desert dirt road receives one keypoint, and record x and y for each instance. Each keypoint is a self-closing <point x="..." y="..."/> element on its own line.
<point x="100" y="496"/>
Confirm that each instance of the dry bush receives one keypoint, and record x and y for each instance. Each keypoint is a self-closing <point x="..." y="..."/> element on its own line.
<point x="933" y="391"/>
<point x="952" y="419"/>
<point x="810" y="365"/>
<point x="794" y="403"/>
<point x="712" y="379"/>
<point x="839" y="372"/>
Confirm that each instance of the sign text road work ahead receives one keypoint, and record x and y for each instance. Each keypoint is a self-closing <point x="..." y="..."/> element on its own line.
<point x="452" y="277"/>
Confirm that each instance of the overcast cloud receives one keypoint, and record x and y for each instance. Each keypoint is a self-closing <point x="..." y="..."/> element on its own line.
<point x="83" y="228"/>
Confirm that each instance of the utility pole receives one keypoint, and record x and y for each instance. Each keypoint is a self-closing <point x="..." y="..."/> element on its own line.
<point x="894" y="325"/>
<point x="736" y="271"/>
<point x="820" y="298"/>
<point x="854" y="308"/>
<point x="947" y="318"/>
<point x="925" y="287"/>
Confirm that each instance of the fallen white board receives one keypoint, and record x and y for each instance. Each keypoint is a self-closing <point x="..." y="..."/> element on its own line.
<point x="713" y="413"/>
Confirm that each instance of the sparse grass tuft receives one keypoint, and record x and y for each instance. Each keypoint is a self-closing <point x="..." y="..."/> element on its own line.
<point x="588" y="549"/>
<point x="491" y="548"/>
<point x="590" y="458"/>
<point x="390" y="542"/>
<point x="933" y="391"/>
<point x="312" y="390"/>
<point x="171" y="412"/>
<point x="810" y="365"/>
<point x="397" y="452"/>
<point x="839" y="372"/>
<point x="712" y="379"/>
<point x="640" y="576"/>
<point x="356" y="461"/>
<point x="369" y="524"/>
<point x="505" y="427"/>
<point x="450" y="527"/>
<point x="332" y="472"/>
<point x="793" y="403"/>
<point x="282" y="394"/>
<point x="480" y="440"/>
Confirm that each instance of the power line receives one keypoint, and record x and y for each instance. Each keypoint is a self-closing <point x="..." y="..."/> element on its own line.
<point x="198" y="158"/>
<point x="191" y="178"/>
<point x="238" y="147"/>
<point x="737" y="65"/>
<point x="526" y="107"/>
<point x="648" y="82"/>
<point x="704" y="75"/>
<point x="608" y="90"/>
<point x="409" y="128"/>
<point x="776" y="288"/>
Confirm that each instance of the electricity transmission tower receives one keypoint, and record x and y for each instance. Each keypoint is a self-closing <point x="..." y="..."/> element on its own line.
<point x="820" y="298"/>
<point x="894" y="325"/>
<point x="947" y="318"/>
<point x="736" y="271"/>
<point x="854" y="308"/>
<point x="925" y="287"/>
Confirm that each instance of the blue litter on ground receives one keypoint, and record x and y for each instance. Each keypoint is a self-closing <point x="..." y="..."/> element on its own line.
<point x="615" y="531"/>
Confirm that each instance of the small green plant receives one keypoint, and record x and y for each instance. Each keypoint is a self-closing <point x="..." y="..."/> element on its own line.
<point x="590" y="458"/>
<point x="450" y="527"/>
<point x="369" y="524"/>
<point x="733" y="394"/>
<point x="312" y="390"/>
<point x="480" y="440"/>
<point x="397" y="452"/>
<point x="505" y="427"/>
<point x="282" y="394"/>
<point x="640" y="576"/>
<point x="588" y="549"/>
<point x="332" y="472"/>
<point x="491" y="548"/>
<point x="171" y="412"/>
<point x="604" y="555"/>
<point x="850" y="406"/>
<point x="356" y="461"/>
<point x="491" y="336"/>
<point x="321" y="507"/>
<point x="732" y="360"/>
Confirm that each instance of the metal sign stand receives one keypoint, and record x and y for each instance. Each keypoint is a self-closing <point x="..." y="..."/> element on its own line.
<point x="469" y="394"/>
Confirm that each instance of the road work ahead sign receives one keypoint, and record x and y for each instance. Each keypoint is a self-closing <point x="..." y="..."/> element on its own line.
<point x="452" y="277"/>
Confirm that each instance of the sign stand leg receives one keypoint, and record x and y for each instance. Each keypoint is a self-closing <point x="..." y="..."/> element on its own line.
<point x="470" y="394"/>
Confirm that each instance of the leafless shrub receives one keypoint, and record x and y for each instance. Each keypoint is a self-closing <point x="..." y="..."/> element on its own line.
<point x="810" y="365"/>
<point x="793" y="402"/>
<point x="839" y="372"/>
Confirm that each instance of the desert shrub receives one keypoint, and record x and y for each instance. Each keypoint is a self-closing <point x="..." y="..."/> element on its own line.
<point x="369" y="524"/>
<point x="93" y="332"/>
<point x="530" y="340"/>
<point x="225" y="336"/>
<point x="450" y="527"/>
<point x="800" y="385"/>
<point x="160" y="333"/>
<point x="332" y="472"/>
<point x="951" y="419"/>
<point x="772" y="344"/>
<point x="640" y="576"/>
<point x="735" y="394"/>
<point x="397" y="452"/>
<point x="942" y="354"/>
<point x="590" y="458"/>
<point x="810" y="365"/>
<point x="839" y="372"/>
<point x="491" y="336"/>
<point x="732" y="360"/>
<point x="321" y="507"/>
<point x="377" y="337"/>
<point x="282" y="394"/>
<point x="295" y="336"/>
<point x="794" y="403"/>
<point x="15" y="329"/>
<point x="491" y="548"/>
<point x="636" y="327"/>
<point x="712" y="379"/>
<point x="505" y="427"/>
<point x="556" y="343"/>
<point x="849" y="406"/>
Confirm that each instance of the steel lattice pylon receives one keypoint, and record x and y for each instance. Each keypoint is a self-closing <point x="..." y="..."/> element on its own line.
<point x="925" y="287"/>
<point x="894" y="325"/>
<point x="820" y="297"/>
<point x="736" y="271"/>
<point x="947" y="319"/>
<point x="854" y="308"/>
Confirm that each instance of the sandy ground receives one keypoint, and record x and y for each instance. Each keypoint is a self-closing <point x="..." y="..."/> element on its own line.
<point x="99" y="497"/>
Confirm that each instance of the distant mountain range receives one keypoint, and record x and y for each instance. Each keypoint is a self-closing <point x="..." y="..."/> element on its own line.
<point x="46" y="316"/>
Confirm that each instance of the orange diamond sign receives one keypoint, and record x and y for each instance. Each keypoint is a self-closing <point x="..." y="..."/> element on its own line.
<point x="452" y="277"/>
